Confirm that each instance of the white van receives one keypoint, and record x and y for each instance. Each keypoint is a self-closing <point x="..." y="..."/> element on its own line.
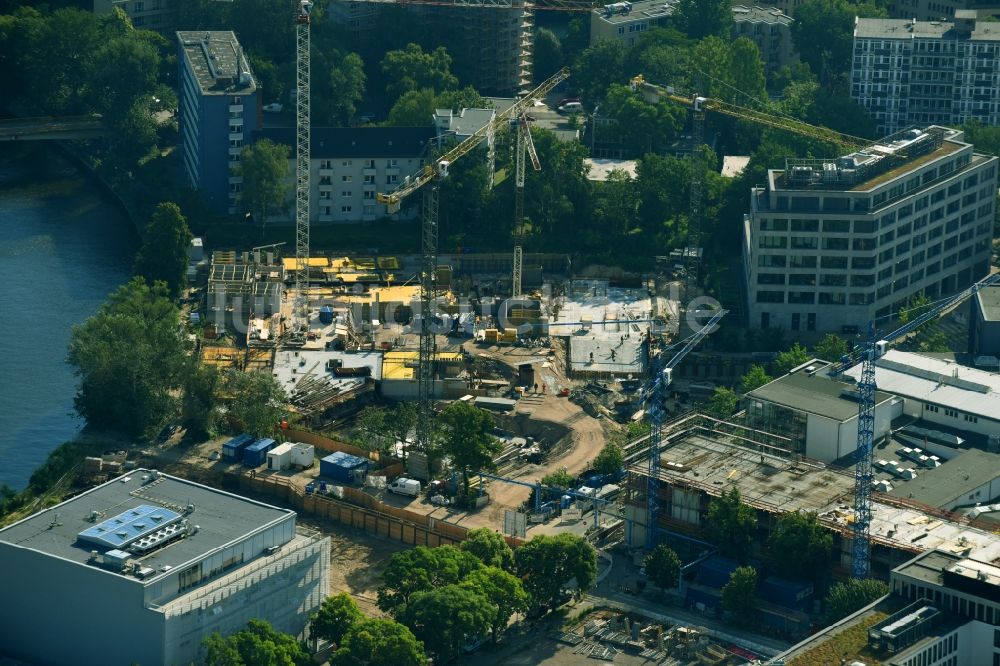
<point x="571" y="107"/>
<point x="401" y="486"/>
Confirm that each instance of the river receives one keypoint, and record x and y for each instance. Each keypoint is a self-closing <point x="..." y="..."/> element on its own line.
<point x="63" y="247"/>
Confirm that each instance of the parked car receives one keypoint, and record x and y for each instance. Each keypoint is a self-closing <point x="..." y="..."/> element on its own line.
<point x="567" y="100"/>
<point x="273" y="107"/>
<point x="570" y="107"/>
<point x="401" y="486"/>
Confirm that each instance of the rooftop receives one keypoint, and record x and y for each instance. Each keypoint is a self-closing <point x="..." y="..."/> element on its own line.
<point x="218" y="62"/>
<point x="600" y="168"/>
<point x="871" y="28"/>
<point x="758" y="14"/>
<point x="627" y="12"/>
<point x="989" y="302"/>
<point x="815" y="393"/>
<point x="938" y="382"/>
<point x="221" y="518"/>
<point x="291" y="368"/>
<point x="464" y="123"/>
<point x="403" y="364"/>
<point x="697" y="457"/>
<point x="943" y="485"/>
<point x="357" y="142"/>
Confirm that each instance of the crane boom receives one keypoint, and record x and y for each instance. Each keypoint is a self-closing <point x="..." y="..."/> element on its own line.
<point x="440" y="166"/>
<point x="542" y="5"/>
<point x="653" y="93"/>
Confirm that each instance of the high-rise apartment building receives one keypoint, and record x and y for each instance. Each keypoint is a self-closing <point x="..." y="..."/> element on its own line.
<point x="832" y="243"/>
<point x="908" y="72"/>
<point x="218" y="107"/>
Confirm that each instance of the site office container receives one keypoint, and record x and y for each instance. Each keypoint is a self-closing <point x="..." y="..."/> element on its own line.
<point x="233" y="449"/>
<point x="255" y="455"/>
<point x="343" y="467"/>
<point x="280" y="457"/>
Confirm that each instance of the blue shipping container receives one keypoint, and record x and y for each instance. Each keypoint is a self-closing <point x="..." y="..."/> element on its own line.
<point x="233" y="449"/>
<point x="342" y="466"/>
<point x="255" y="455"/>
<point x="787" y="593"/>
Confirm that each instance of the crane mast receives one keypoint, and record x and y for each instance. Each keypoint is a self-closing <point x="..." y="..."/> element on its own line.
<point x="525" y="146"/>
<point x="302" y="134"/>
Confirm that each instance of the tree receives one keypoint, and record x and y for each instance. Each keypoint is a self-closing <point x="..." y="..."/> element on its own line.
<point x="933" y="343"/>
<point x="264" y="167"/>
<point x="823" y="34"/>
<point x="401" y="421"/>
<point x="732" y="524"/>
<point x="559" y="478"/>
<point x="723" y="403"/>
<point x="489" y="547"/>
<point x="830" y="348"/>
<point x="663" y="567"/>
<point x="739" y="595"/>
<point x="611" y="459"/>
<point x="845" y="598"/>
<point x="379" y="642"/>
<point x="337" y="616"/>
<point x="257" y="401"/>
<point x="466" y="438"/>
<point x="755" y="378"/>
<point x="257" y="645"/>
<point x="413" y="108"/>
<point x="641" y="126"/>
<point x="371" y="425"/>
<point x="163" y="255"/>
<point x="799" y="545"/>
<point x="411" y="69"/>
<point x="421" y="569"/>
<point x="347" y="88"/>
<point x="701" y="18"/>
<point x="547" y="564"/>
<point x="600" y="65"/>
<point x="447" y="617"/>
<point x="503" y="590"/>
<point x="129" y="359"/>
<point x="793" y="357"/>
<point x="199" y="399"/>
<point x="916" y="306"/>
<point x="747" y="70"/>
<point x="548" y="54"/>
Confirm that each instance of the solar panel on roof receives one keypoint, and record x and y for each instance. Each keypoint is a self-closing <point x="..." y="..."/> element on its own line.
<point x="129" y="526"/>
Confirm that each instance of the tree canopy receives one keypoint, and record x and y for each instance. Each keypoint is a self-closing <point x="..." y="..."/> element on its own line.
<point x="256" y="401"/>
<point x="163" y="255"/>
<point x="723" y="403"/>
<point x="732" y="525"/>
<point x="466" y="438"/>
<point x="799" y="545"/>
<point x="446" y="617"/>
<point x="421" y="569"/>
<point x="489" y="547"/>
<point x="379" y="642"/>
<point x="845" y="598"/>
<point x="611" y="459"/>
<point x="336" y="617"/>
<point x="264" y="166"/>
<point x="823" y="33"/>
<point x="739" y="595"/>
<point x="792" y="357"/>
<point x="663" y="567"/>
<point x="547" y="564"/>
<point x="503" y="590"/>
<point x="129" y="359"/>
<point x="257" y="645"/>
<point x="411" y="69"/>
<point x="755" y="378"/>
<point x="830" y="348"/>
<point x="701" y="18"/>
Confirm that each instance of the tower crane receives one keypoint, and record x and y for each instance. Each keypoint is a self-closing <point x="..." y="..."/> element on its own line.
<point x="699" y="105"/>
<point x="431" y="175"/>
<point x="524" y="145"/>
<point x="302" y="186"/>
<point x="874" y="348"/>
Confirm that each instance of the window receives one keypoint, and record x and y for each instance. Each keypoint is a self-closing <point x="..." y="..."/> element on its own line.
<point x="770" y="297"/>
<point x="370" y="180"/>
<point x="833" y="262"/>
<point x="346" y="179"/>
<point x="805" y="243"/>
<point x="771" y="278"/>
<point x="805" y="225"/>
<point x="189" y="577"/>
<point x="838" y="244"/>
<point x="833" y="280"/>
<point x="831" y="299"/>
<point x="346" y="193"/>
<point x="931" y="408"/>
<point x="802" y="279"/>
<point x="802" y="297"/>
<point x="325" y="164"/>
<point x="235" y="100"/>
<point x="369" y="164"/>
<point x="345" y="209"/>
<point x="368" y="194"/>
<point x="390" y="180"/>
<point x="837" y="226"/>
<point x="950" y="412"/>
<point x="767" y="224"/>
<point x="798" y="261"/>
<point x="773" y="242"/>
<point x="971" y="419"/>
<point x="346" y="163"/>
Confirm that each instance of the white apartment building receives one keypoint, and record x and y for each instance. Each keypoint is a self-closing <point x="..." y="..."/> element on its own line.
<point x="626" y="21"/>
<point x="351" y="165"/>
<point x="907" y="72"/>
<point x="833" y="243"/>
<point x="770" y="29"/>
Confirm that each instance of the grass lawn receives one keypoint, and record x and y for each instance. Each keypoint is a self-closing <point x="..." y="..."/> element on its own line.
<point x="850" y="644"/>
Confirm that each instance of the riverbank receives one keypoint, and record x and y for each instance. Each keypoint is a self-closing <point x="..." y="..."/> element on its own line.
<point x="64" y="246"/>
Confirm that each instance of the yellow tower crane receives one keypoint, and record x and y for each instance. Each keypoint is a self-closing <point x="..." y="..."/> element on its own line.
<point x="431" y="174"/>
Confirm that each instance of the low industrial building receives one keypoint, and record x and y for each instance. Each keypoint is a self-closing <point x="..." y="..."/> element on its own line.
<point x="817" y="412"/>
<point x="972" y="477"/>
<point x="159" y="561"/>
<point x="942" y="392"/>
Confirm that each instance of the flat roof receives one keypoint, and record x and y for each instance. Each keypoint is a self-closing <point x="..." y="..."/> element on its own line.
<point x="218" y="62"/>
<point x="873" y="28"/>
<point x="464" y="123"/>
<point x="644" y="9"/>
<point x="403" y="364"/>
<point x="695" y="456"/>
<point x="294" y="367"/>
<point x="600" y="168"/>
<point x="221" y="518"/>
<point x="814" y="393"/>
<point x="758" y="14"/>
<point x="989" y="302"/>
<point x="937" y="381"/>
<point x="955" y="478"/>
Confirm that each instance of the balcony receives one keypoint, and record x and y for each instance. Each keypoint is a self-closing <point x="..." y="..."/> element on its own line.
<point x="235" y="108"/>
<point x="369" y="171"/>
<point x="392" y="171"/>
<point x="325" y="172"/>
<point x="236" y="136"/>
